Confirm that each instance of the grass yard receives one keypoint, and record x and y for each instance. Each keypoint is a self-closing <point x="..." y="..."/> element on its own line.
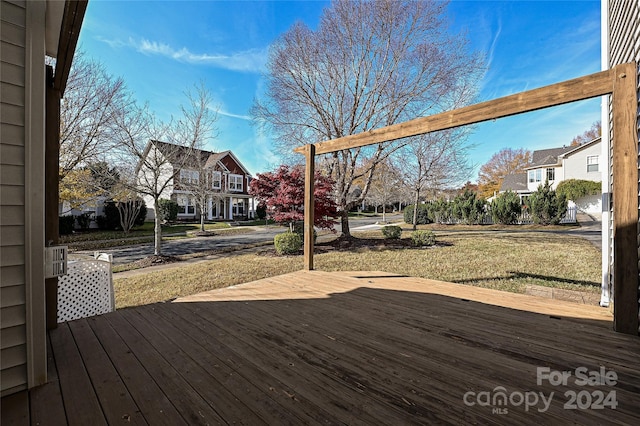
<point x="503" y="261"/>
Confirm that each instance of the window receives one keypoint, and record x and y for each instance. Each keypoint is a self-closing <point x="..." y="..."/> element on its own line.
<point x="235" y="183"/>
<point x="238" y="208"/>
<point x="186" y="206"/>
<point x="551" y="175"/>
<point x="539" y="175"/>
<point x="532" y="176"/>
<point x="593" y="163"/>
<point x="216" y="180"/>
<point x="189" y="176"/>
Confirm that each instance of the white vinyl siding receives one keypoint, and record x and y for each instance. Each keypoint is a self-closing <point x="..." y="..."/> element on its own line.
<point x="622" y="42"/>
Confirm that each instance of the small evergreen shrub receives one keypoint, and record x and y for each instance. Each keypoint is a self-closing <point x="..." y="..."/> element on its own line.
<point x="422" y="238"/>
<point x="66" y="224"/>
<point x="392" y="232"/>
<point x="261" y="211"/>
<point x="424" y="214"/>
<point x="468" y="208"/>
<point x="506" y="208"/>
<point x="546" y="206"/>
<point x="83" y="220"/>
<point x="168" y="210"/>
<point x="111" y="219"/>
<point x="287" y="243"/>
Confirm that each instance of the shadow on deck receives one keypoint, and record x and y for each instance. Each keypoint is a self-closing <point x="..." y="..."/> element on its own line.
<point x="335" y="348"/>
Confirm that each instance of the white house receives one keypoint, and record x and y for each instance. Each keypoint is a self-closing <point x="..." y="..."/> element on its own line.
<point x="558" y="164"/>
<point x="226" y="178"/>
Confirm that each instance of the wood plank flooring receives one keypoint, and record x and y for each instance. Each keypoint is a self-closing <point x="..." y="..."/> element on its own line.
<point x="334" y="348"/>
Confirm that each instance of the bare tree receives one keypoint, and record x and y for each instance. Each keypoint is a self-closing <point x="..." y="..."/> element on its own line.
<point x="386" y="184"/>
<point x="433" y="161"/>
<point x="369" y="64"/>
<point x="139" y="139"/>
<point x="92" y="100"/>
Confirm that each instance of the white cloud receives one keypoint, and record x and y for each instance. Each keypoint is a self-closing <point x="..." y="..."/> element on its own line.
<point x="251" y="61"/>
<point x="238" y="116"/>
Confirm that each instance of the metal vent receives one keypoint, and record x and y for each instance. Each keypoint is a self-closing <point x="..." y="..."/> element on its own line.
<point x="55" y="261"/>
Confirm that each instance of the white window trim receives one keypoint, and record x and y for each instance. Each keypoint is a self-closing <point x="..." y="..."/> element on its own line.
<point x="216" y="177"/>
<point x="591" y="163"/>
<point x="189" y="176"/>
<point x="189" y="203"/>
<point x="237" y="180"/>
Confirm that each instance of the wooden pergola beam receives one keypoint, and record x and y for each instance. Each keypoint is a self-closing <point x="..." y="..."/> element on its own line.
<point x="569" y="91"/>
<point x="620" y="82"/>
<point x="625" y="199"/>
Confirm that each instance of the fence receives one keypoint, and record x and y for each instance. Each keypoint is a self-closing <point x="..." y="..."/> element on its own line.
<point x="87" y="289"/>
<point x="524" y="218"/>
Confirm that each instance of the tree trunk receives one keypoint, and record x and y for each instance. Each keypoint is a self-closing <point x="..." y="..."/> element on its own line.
<point x="384" y="216"/>
<point x="157" y="248"/>
<point x="344" y="221"/>
<point x="202" y="213"/>
<point x="415" y="209"/>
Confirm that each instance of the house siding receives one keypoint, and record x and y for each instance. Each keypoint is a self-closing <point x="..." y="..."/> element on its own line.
<point x="575" y="165"/>
<point x="13" y="312"/>
<point x="22" y="99"/>
<point x="621" y="21"/>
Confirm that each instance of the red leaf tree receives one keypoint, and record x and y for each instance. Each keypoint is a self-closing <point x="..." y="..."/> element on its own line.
<point x="282" y="191"/>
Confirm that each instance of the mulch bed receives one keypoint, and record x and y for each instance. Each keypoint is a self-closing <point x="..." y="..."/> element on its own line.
<point x="154" y="261"/>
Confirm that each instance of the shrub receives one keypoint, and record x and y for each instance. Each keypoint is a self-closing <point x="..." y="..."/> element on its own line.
<point x="424" y="214"/>
<point x="546" y="206"/>
<point x="574" y="189"/>
<point x="392" y="232"/>
<point x="83" y="220"/>
<point x="168" y="210"/>
<point x="468" y="208"/>
<point x="111" y="218"/>
<point x="142" y="215"/>
<point x="261" y="211"/>
<point x="423" y="238"/>
<point x="66" y="224"/>
<point x="298" y="228"/>
<point x="287" y="243"/>
<point x="506" y="208"/>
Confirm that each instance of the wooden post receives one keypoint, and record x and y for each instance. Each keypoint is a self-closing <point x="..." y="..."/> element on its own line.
<point x="309" y="205"/>
<point x="51" y="198"/>
<point x="625" y="200"/>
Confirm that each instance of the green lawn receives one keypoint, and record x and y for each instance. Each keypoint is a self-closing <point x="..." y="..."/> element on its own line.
<point x="503" y="261"/>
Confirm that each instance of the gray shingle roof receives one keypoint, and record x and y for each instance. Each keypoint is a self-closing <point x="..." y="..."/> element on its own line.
<point x="515" y="182"/>
<point x="546" y="157"/>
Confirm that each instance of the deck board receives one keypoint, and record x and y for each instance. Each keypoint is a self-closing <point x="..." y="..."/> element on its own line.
<point x="331" y="348"/>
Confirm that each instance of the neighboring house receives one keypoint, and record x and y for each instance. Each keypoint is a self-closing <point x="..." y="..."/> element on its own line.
<point x="557" y="164"/>
<point x="29" y="120"/>
<point x="225" y="176"/>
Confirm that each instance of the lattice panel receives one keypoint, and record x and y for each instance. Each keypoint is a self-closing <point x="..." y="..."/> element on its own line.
<point x="86" y="290"/>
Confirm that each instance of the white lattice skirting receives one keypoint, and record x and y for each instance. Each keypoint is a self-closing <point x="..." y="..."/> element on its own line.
<point x="86" y="290"/>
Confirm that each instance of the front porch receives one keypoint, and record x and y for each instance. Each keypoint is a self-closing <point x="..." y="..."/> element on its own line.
<point x="333" y="348"/>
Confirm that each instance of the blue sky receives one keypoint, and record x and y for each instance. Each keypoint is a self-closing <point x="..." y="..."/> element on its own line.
<point x="161" y="48"/>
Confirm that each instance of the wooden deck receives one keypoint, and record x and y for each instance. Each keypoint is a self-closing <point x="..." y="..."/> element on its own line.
<point x="333" y="348"/>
